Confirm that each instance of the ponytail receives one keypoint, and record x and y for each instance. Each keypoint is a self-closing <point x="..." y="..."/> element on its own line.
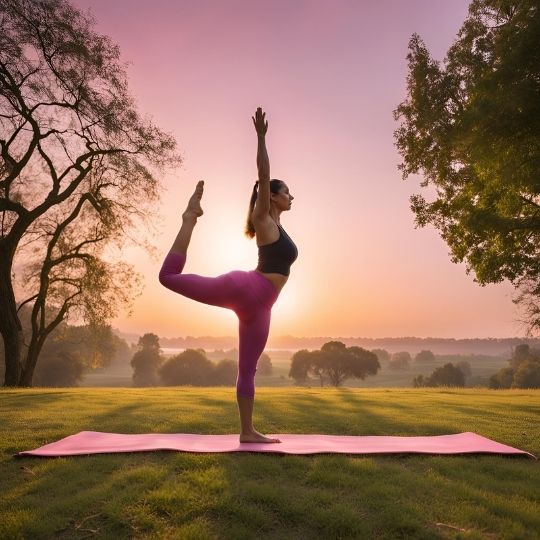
<point x="250" y="229"/>
<point x="275" y="186"/>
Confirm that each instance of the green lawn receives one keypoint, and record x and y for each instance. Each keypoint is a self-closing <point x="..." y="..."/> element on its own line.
<point x="257" y="495"/>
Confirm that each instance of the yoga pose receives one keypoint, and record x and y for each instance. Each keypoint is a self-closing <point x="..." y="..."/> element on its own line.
<point x="252" y="294"/>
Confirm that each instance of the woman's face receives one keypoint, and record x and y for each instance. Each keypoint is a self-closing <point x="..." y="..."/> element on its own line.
<point x="283" y="199"/>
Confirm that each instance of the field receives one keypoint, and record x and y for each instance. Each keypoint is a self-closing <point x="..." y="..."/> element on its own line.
<point x="253" y="495"/>
<point x="482" y="367"/>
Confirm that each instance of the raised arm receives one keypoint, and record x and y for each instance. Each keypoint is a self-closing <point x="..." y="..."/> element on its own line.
<point x="262" y="205"/>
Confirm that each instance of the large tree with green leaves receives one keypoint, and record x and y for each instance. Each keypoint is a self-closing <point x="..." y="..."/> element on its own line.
<point x="334" y="361"/>
<point x="471" y="127"/>
<point x="78" y="173"/>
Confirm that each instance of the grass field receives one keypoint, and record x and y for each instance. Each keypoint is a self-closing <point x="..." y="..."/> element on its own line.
<point x="254" y="495"/>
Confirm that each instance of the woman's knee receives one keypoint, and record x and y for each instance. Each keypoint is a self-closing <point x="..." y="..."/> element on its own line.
<point x="245" y="386"/>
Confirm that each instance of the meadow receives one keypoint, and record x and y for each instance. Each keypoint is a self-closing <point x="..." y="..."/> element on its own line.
<point x="267" y="495"/>
<point x="482" y="367"/>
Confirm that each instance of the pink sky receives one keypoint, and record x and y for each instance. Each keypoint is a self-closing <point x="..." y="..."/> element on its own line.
<point x="328" y="74"/>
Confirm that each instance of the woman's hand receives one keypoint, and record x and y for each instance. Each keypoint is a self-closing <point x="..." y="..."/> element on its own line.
<point x="258" y="120"/>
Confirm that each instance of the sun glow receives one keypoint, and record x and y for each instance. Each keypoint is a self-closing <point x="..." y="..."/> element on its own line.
<point x="230" y="248"/>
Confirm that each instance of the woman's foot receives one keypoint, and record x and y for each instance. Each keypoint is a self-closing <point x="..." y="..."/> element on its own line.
<point x="257" y="437"/>
<point x="194" y="209"/>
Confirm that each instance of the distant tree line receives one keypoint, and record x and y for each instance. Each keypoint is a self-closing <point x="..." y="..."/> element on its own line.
<point x="333" y="364"/>
<point x="73" y="351"/>
<point x="190" y="367"/>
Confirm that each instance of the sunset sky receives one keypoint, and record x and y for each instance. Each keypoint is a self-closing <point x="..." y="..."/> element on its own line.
<point x="328" y="74"/>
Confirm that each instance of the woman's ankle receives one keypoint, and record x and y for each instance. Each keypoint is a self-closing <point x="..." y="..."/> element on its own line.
<point x="189" y="216"/>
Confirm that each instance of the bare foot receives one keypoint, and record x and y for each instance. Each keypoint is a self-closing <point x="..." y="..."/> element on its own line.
<point x="194" y="205"/>
<point x="255" y="436"/>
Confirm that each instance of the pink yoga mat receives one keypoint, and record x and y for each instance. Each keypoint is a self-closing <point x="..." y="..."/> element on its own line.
<point x="96" y="442"/>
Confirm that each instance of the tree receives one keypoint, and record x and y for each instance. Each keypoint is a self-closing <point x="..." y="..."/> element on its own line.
<point x="95" y="344"/>
<point x="471" y="128"/>
<point x="334" y="361"/>
<point x="502" y="379"/>
<point x="424" y="357"/>
<point x="122" y="350"/>
<point x="527" y="375"/>
<point x="64" y="369"/>
<point x="382" y="355"/>
<point x="354" y="362"/>
<point x="400" y="360"/>
<point x="447" y="375"/>
<point x="147" y="361"/>
<point x="523" y="371"/>
<point x="78" y="168"/>
<point x="300" y="365"/>
<point x="465" y="368"/>
<point x="69" y="351"/>
<point x="190" y="367"/>
<point x="522" y="353"/>
<point x="225" y="373"/>
<point x="264" y="365"/>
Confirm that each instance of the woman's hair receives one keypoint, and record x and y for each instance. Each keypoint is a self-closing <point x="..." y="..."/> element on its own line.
<point x="275" y="186"/>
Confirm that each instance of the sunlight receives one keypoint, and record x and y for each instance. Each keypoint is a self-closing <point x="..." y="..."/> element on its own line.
<point x="286" y="306"/>
<point x="230" y="249"/>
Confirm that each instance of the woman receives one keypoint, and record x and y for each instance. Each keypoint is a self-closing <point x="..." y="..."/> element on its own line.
<point x="252" y="294"/>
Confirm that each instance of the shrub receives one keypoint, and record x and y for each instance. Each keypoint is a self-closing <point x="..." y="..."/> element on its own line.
<point x="264" y="365"/>
<point x="63" y="369"/>
<point x="190" y="367"/>
<point x="225" y="373"/>
<point x="424" y="357"/>
<point x="527" y="375"/>
<point x="400" y="361"/>
<point x="447" y="375"/>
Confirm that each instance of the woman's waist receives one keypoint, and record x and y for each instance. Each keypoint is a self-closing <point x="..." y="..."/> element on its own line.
<point x="278" y="280"/>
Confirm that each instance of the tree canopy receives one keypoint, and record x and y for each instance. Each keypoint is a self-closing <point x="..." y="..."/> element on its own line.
<point x="79" y="171"/>
<point x="470" y="127"/>
<point x="334" y="361"/>
<point x="523" y="371"/>
<point x="447" y="375"/>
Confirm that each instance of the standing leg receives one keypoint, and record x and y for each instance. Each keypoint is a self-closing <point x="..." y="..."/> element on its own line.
<point x="221" y="291"/>
<point x="253" y="335"/>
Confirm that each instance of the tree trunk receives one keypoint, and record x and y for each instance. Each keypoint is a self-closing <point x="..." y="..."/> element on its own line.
<point x="28" y="372"/>
<point x="10" y="326"/>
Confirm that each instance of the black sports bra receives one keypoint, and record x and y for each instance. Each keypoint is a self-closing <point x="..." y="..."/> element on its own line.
<point x="278" y="256"/>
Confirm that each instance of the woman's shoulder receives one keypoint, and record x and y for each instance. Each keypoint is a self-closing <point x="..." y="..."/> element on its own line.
<point x="266" y="229"/>
<point x="265" y="220"/>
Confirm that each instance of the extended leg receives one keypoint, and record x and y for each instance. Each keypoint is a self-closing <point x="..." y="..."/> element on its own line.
<point x="216" y="291"/>
<point x="219" y="291"/>
<point x="183" y="237"/>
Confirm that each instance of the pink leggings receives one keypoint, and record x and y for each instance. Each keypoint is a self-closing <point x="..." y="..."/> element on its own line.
<point x="249" y="294"/>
